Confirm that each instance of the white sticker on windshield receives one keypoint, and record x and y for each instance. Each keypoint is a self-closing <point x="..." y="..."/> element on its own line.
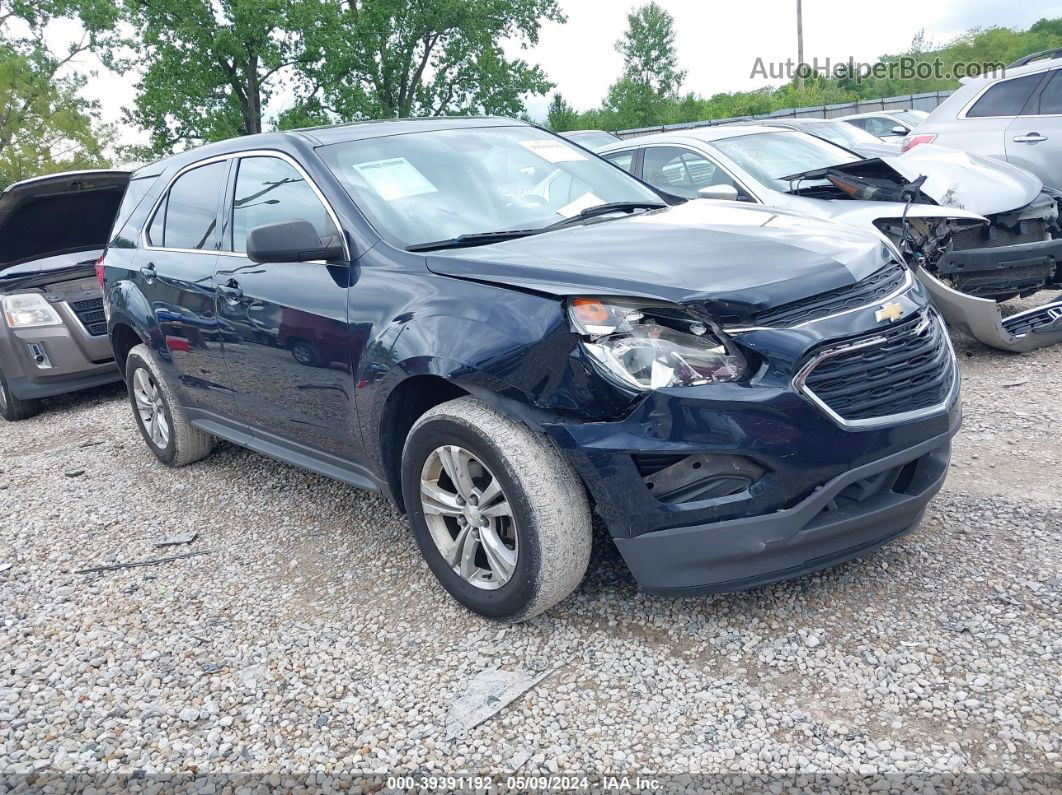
<point x="584" y="201"/>
<point x="553" y="151"/>
<point x="395" y="178"/>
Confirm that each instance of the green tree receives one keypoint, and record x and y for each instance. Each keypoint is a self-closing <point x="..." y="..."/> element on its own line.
<point x="560" y="116"/>
<point x="208" y="66"/>
<point x="396" y="58"/>
<point x="651" y="78"/>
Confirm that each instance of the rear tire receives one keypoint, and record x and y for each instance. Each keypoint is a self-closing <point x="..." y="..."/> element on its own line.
<point x="166" y="430"/>
<point x="14" y="409"/>
<point x="523" y="507"/>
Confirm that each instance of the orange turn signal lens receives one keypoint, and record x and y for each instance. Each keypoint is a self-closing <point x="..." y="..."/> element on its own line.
<point x="589" y="311"/>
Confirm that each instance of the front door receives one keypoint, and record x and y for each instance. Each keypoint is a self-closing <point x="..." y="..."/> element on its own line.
<point x="285" y="323"/>
<point x="1034" y="139"/>
<point x="176" y="274"/>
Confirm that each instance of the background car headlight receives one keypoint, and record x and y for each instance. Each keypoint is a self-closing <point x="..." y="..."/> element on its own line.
<point x="29" y="310"/>
<point x="652" y="346"/>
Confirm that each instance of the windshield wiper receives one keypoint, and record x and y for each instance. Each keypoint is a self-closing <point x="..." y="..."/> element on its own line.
<point x="473" y="239"/>
<point x="483" y="238"/>
<point x="604" y="209"/>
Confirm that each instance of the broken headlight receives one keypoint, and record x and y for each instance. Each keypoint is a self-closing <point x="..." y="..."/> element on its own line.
<point x="647" y="346"/>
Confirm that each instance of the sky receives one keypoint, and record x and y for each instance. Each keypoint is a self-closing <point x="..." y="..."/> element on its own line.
<point x="717" y="42"/>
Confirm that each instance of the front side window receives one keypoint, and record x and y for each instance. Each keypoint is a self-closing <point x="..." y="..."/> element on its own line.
<point x="681" y="171"/>
<point x="881" y="126"/>
<point x="1006" y="98"/>
<point x="270" y="190"/>
<point x="187" y="217"/>
<point x="422" y="187"/>
<point x="771" y="156"/>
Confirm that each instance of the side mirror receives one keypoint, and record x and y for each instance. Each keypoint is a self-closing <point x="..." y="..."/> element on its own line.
<point x="291" y="241"/>
<point x="725" y="192"/>
<point x="898" y="130"/>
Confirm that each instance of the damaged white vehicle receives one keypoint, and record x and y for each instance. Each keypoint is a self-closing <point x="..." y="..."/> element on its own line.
<point x="975" y="230"/>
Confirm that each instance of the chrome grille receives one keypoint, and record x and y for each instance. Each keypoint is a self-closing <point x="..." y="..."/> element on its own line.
<point x="906" y="369"/>
<point x="876" y="287"/>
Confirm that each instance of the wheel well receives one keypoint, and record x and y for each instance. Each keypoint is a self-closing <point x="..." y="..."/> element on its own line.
<point x="123" y="340"/>
<point x="406" y="404"/>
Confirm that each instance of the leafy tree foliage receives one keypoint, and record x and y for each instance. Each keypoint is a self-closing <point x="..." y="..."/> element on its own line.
<point x="45" y="125"/>
<point x="394" y="58"/>
<point x="651" y="77"/>
<point x="560" y="116"/>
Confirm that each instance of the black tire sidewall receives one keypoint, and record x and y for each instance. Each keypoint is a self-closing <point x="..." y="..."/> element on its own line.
<point x="16" y="409"/>
<point x="168" y="454"/>
<point x="512" y="599"/>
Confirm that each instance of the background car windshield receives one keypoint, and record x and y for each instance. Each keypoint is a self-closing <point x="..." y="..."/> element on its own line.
<point x="428" y="186"/>
<point x="843" y="134"/>
<point x="770" y="156"/>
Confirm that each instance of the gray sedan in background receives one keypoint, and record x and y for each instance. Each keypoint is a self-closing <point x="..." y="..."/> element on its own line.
<point x="975" y="230"/>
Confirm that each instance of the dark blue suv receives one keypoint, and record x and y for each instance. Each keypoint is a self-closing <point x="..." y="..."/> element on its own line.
<point x="503" y="332"/>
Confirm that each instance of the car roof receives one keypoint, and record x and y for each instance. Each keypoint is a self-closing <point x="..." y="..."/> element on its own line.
<point x="326" y="135"/>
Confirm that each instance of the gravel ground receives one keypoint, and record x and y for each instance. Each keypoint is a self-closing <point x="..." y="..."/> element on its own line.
<point x="309" y="636"/>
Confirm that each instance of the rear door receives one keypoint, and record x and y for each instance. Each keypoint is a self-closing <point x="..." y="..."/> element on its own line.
<point x="284" y="323"/>
<point x="982" y="127"/>
<point x="176" y="275"/>
<point x="1034" y="139"/>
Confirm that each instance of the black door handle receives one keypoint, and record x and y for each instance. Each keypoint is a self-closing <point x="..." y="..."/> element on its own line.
<point x="148" y="272"/>
<point x="231" y="291"/>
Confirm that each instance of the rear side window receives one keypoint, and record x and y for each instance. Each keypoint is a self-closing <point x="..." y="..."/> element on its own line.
<point x="1051" y="96"/>
<point x="1006" y="98"/>
<point x="188" y="216"/>
<point x="134" y="195"/>
<point x="270" y="190"/>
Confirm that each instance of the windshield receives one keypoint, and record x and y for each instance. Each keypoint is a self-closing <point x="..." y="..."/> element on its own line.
<point x="842" y="134"/>
<point x="770" y="156"/>
<point x="423" y="187"/>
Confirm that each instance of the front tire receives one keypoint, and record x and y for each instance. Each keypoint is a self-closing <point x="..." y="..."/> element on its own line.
<point x="14" y="409"/>
<point x="166" y="430"/>
<point x="498" y="513"/>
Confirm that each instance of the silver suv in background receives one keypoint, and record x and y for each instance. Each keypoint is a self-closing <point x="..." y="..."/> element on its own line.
<point x="1014" y="116"/>
<point x="53" y="336"/>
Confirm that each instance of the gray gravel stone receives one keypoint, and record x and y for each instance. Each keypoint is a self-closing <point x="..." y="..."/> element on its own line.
<point x="314" y="640"/>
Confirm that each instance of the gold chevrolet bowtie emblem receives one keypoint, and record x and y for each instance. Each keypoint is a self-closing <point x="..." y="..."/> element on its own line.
<point x="889" y="312"/>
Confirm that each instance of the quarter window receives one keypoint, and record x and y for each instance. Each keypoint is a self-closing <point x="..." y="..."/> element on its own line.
<point x="624" y="160"/>
<point x="270" y="190"/>
<point x="187" y="217"/>
<point x="1006" y="98"/>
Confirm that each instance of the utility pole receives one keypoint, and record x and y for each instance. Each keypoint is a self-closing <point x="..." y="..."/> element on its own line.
<point x="800" y="44"/>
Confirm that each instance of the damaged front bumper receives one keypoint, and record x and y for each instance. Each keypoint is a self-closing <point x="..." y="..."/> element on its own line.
<point x="981" y="319"/>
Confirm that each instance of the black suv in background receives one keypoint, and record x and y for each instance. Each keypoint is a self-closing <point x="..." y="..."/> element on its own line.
<point x="502" y="331"/>
<point x="53" y="338"/>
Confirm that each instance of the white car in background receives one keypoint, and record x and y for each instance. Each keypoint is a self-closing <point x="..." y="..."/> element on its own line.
<point x="836" y="132"/>
<point x="891" y="126"/>
<point x="976" y="231"/>
<point x="1015" y="116"/>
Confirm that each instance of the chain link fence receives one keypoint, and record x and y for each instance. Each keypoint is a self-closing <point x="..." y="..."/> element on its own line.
<point x="926" y="102"/>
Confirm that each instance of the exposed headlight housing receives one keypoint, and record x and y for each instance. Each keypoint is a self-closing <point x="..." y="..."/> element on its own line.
<point x="29" y="310"/>
<point x="646" y="346"/>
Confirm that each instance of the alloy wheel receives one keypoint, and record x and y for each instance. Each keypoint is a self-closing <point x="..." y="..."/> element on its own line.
<point x="469" y="517"/>
<point x="150" y="407"/>
<point x="3" y="398"/>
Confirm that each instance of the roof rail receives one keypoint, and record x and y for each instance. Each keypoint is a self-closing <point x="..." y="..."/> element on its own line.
<point x="1043" y="55"/>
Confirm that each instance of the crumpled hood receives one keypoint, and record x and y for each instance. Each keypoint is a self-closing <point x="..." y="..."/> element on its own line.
<point x="735" y="258"/>
<point x="980" y="184"/>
